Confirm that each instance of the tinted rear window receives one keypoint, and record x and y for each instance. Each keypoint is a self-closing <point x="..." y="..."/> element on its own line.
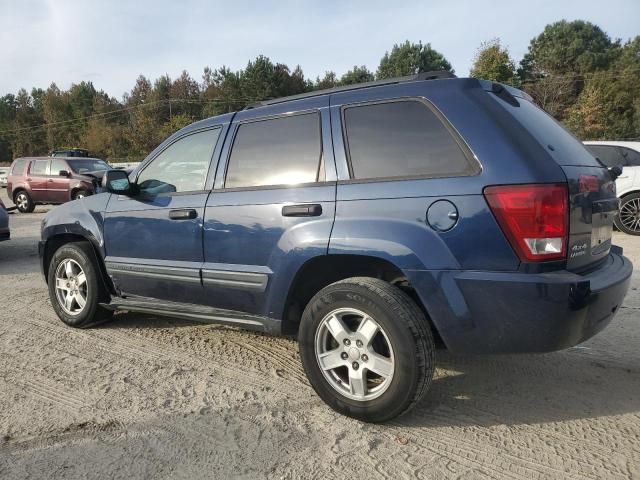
<point x="631" y="157"/>
<point x="609" y="155"/>
<point x="402" y="139"/>
<point x="278" y="151"/>
<point x="561" y="145"/>
<point x="18" y="167"/>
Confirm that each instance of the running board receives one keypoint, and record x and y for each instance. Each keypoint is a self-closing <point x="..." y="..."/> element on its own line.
<point x="199" y="313"/>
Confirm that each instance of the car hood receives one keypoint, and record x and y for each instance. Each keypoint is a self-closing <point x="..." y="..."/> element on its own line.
<point x="90" y="176"/>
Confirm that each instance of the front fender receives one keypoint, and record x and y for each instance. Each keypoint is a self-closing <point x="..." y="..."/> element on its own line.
<point x="84" y="218"/>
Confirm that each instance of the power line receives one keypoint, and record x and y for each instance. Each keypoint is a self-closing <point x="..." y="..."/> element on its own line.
<point x="124" y="110"/>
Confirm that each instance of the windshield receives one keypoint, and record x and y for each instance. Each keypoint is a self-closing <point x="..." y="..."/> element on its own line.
<point x="82" y="166"/>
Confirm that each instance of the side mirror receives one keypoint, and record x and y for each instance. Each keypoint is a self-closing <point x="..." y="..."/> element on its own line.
<point x="116" y="181"/>
<point x="63" y="173"/>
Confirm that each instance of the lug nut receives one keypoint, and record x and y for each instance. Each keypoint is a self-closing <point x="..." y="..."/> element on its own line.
<point x="344" y="355"/>
<point x="358" y="343"/>
<point x="355" y="365"/>
<point x="347" y="342"/>
<point x="364" y="357"/>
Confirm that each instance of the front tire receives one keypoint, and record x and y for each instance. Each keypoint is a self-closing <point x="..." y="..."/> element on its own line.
<point x="75" y="287"/>
<point x="78" y="194"/>
<point x="628" y="218"/>
<point x="367" y="349"/>
<point x="23" y="202"/>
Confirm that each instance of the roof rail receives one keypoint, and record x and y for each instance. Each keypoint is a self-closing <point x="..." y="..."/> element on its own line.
<point x="435" y="75"/>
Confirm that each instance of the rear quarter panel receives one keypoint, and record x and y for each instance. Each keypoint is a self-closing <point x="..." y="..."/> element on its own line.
<point x="388" y="218"/>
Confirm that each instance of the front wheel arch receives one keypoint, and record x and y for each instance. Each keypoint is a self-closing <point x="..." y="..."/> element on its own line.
<point x="56" y="242"/>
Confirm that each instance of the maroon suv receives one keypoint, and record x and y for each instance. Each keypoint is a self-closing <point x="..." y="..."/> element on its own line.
<point x="52" y="180"/>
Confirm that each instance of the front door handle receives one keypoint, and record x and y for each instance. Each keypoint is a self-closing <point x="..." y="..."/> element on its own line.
<point x="306" y="210"/>
<point x="183" y="214"/>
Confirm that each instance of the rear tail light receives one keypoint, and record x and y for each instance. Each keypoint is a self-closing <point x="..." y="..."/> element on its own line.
<point x="588" y="184"/>
<point x="534" y="219"/>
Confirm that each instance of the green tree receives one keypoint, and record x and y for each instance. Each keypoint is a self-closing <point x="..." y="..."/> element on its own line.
<point x="609" y="105"/>
<point x="411" y="58"/>
<point x="330" y="80"/>
<point x="185" y="96"/>
<point x="493" y="62"/>
<point x="28" y="138"/>
<point x="357" y="75"/>
<point x="572" y="48"/>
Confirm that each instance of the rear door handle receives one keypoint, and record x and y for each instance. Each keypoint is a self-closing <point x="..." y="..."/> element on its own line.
<point x="307" y="210"/>
<point x="183" y="214"/>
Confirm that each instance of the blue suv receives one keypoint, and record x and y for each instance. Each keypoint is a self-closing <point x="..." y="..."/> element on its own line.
<point x="370" y="220"/>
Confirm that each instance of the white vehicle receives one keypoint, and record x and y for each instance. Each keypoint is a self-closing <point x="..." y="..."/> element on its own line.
<point x="626" y="154"/>
<point x="4" y="172"/>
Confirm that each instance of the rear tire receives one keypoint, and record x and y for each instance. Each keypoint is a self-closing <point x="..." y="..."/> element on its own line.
<point x="628" y="219"/>
<point x="75" y="286"/>
<point x="23" y="202"/>
<point x="392" y="365"/>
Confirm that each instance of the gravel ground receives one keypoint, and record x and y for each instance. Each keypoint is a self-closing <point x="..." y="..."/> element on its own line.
<point x="148" y="397"/>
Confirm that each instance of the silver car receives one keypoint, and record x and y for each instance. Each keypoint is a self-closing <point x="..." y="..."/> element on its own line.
<point x="4" y="173"/>
<point x="4" y="223"/>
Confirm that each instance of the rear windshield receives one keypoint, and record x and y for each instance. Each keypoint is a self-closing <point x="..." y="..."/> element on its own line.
<point x="562" y="145"/>
<point x="82" y="166"/>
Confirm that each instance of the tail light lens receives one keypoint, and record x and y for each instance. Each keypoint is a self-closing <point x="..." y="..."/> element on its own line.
<point x="534" y="219"/>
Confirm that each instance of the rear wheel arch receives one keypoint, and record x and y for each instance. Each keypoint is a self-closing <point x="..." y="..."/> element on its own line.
<point x="16" y="191"/>
<point x="319" y="272"/>
<point x="55" y="242"/>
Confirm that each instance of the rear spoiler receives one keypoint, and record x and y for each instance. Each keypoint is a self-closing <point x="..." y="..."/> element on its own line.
<point x="504" y="91"/>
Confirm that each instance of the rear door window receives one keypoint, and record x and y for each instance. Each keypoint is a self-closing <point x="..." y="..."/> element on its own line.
<point x="18" y="167"/>
<point x="403" y="139"/>
<point x="631" y="157"/>
<point x="277" y="151"/>
<point x="39" y="167"/>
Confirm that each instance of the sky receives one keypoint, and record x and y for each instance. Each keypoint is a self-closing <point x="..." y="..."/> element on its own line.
<point x="110" y="43"/>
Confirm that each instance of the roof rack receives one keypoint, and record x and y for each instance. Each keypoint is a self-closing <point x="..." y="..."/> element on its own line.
<point x="435" y="75"/>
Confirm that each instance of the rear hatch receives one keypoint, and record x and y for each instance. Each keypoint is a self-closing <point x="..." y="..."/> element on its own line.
<point x="592" y="192"/>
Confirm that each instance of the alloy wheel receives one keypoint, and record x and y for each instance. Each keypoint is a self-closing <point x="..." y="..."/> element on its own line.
<point x="71" y="286"/>
<point x="630" y="214"/>
<point x="22" y="201"/>
<point x="354" y="354"/>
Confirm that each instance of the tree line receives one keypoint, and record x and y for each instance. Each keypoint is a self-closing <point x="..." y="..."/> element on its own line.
<point x="574" y="70"/>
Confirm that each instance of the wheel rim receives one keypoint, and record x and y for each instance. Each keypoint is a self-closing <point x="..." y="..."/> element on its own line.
<point x="354" y="354"/>
<point x="71" y="287"/>
<point x="630" y="214"/>
<point x="22" y="202"/>
<point x="79" y="196"/>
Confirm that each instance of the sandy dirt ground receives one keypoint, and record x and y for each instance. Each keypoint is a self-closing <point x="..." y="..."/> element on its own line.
<point x="147" y="397"/>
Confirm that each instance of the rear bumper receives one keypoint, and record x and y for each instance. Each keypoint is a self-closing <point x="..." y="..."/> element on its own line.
<point x="508" y="312"/>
